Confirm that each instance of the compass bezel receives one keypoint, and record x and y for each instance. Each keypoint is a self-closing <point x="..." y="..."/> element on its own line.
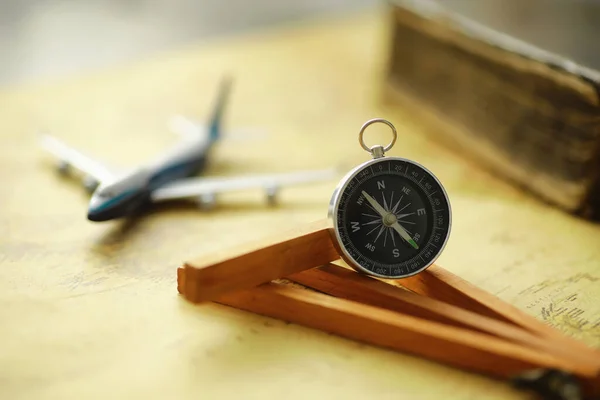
<point x="334" y="207"/>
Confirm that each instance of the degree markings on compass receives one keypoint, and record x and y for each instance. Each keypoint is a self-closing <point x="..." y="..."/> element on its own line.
<point x="429" y="195"/>
<point x="412" y="178"/>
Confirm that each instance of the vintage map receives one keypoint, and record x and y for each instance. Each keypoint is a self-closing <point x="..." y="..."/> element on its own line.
<point x="92" y="311"/>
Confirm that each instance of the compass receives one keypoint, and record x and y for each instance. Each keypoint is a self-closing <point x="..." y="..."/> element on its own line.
<point x="390" y="216"/>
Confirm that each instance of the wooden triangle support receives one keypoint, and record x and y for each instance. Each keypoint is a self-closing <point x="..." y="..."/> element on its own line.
<point x="433" y="314"/>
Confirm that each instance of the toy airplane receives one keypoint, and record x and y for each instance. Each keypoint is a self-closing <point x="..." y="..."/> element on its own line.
<point x="168" y="177"/>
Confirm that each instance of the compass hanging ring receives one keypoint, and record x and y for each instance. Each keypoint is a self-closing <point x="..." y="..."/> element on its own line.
<point x="377" y="150"/>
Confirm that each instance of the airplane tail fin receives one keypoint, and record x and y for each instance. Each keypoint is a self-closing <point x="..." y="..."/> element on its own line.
<point x="216" y="119"/>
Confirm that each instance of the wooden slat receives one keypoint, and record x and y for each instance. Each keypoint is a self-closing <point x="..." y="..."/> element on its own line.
<point x="342" y="282"/>
<point x="448" y="344"/>
<point x="441" y="284"/>
<point x="503" y="340"/>
<point x="261" y="261"/>
<point x="309" y="246"/>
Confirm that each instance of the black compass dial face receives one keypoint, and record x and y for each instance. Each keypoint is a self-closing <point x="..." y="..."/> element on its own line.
<point x="393" y="218"/>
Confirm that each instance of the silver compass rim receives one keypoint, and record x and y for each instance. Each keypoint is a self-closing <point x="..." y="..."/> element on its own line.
<point x="333" y="223"/>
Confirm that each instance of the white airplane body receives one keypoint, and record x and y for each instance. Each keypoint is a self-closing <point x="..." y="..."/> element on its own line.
<point x="169" y="176"/>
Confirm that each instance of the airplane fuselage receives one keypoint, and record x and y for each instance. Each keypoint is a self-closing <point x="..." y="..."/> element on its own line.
<point x="128" y="194"/>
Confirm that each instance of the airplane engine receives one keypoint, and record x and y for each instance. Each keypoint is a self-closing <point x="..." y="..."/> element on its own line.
<point x="271" y="192"/>
<point x="90" y="184"/>
<point x="63" y="167"/>
<point x="207" y="201"/>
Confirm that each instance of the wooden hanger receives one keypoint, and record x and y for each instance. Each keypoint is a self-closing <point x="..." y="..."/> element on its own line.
<point x="434" y="314"/>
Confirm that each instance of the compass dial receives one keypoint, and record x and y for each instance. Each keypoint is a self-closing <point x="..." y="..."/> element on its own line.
<point x="391" y="218"/>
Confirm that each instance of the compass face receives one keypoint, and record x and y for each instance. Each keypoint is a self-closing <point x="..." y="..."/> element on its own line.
<point x="391" y="218"/>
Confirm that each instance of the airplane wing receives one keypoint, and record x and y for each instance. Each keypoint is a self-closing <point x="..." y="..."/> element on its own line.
<point x="70" y="157"/>
<point x="194" y="187"/>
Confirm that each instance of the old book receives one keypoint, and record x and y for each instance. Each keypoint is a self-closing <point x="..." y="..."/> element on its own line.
<point x="523" y="101"/>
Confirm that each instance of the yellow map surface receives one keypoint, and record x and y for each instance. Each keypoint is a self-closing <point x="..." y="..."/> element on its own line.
<point x="92" y="311"/>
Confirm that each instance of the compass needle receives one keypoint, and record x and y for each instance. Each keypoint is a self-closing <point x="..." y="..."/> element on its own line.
<point x="385" y="196"/>
<point x="404" y="235"/>
<point x="376" y="206"/>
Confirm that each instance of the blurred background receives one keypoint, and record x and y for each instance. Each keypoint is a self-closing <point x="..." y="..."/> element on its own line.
<point x="53" y="38"/>
<point x="42" y="39"/>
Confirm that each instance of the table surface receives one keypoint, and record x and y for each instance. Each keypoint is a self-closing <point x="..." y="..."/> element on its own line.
<point x="92" y="311"/>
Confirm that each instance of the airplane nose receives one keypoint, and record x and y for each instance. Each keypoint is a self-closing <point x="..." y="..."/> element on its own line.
<point x="93" y="213"/>
<point x="96" y="216"/>
<point x="105" y="210"/>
